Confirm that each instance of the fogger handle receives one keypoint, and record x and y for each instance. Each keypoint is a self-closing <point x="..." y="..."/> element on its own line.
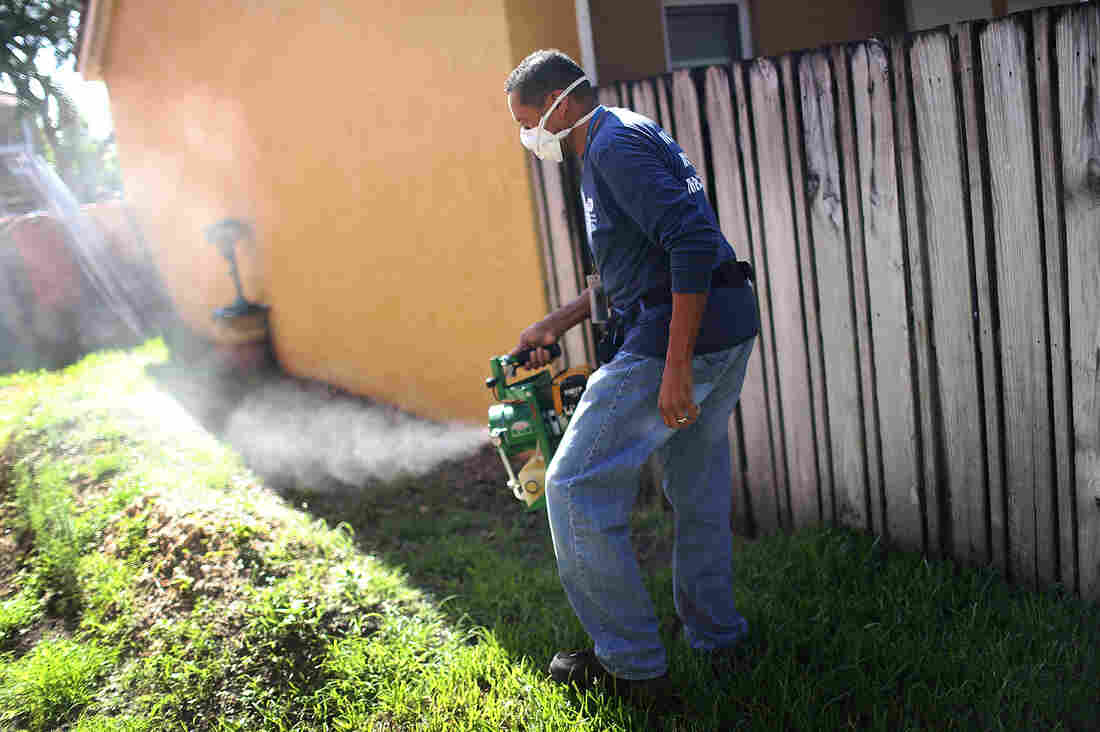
<point x="521" y="358"/>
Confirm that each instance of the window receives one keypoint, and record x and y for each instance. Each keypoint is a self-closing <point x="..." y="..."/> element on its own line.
<point x="702" y="33"/>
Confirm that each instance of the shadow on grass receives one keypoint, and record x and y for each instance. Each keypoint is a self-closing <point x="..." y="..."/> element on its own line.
<point x="845" y="632"/>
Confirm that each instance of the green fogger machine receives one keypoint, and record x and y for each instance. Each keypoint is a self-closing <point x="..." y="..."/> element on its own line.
<point x="531" y="418"/>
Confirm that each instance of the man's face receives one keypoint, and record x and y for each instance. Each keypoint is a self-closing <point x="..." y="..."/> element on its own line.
<point x="528" y="116"/>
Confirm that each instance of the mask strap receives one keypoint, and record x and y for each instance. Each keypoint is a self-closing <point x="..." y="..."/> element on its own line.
<point x="584" y="119"/>
<point x="563" y="95"/>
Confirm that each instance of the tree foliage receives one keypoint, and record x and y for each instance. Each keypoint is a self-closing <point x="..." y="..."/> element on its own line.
<point x="29" y="28"/>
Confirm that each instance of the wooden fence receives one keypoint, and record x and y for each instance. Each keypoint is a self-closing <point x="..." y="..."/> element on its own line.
<point x="924" y="218"/>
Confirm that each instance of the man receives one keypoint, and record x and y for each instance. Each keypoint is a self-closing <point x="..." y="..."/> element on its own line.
<point x="688" y="319"/>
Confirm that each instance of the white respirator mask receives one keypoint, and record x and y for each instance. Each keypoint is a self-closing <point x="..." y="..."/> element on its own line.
<point x="547" y="145"/>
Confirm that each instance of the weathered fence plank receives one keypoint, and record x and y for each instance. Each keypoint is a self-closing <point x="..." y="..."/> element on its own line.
<point x="1078" y="37"/>
<point x="567" y="269"/>
<point x="955" y="391"/>
<point x="1022" y="304"/>
<point x="847" y="89"/>
<point x="886" y="283"/>
<point x="645" y="99"/>
<point x="689" y="128"/>
<point x="766" y="520"/>
<point x="871" y="510"/>
<point x="806" y="276"/>
<point x="553" y="297"/>
<point x="625" y="99"/>
<point x="992" y="545"/>
<point x="920" y="333"/>
<point x="830" y="249"/>
<point x="608" y="95"/>
<point x="834" y="290"/>
<point x="781" y="256"/>
<point x="663" y="105"/>
<point x="1051" y="212"/>
<point x="729" y="199"/>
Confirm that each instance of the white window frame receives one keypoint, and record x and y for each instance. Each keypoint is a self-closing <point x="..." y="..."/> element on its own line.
<point x="94" y="26"/>
<point x="584" y="35"/>
<point x="743" y="21"/>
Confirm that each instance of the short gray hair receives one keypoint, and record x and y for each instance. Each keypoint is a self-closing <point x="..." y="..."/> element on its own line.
<point x="543" y="72"/>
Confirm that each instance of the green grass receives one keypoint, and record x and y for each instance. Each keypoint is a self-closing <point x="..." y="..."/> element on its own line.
<point x="114" y="724"/>
<point x="169" y="589"/>
<point x="45" y="687"/>
<point x="845" y="635"/>
<point x="45" y="501"/>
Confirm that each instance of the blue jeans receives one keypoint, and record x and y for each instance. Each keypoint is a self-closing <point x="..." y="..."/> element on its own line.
<point x="591" y="487"/>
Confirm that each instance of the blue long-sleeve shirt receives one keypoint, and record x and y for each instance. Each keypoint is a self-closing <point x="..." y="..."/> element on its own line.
<point x="650" y="226"/>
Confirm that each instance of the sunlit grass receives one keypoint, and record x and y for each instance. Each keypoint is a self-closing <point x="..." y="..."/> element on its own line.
<point x="114" y="724"/>
<point x="44" y="687"/>
<point x="45" y="502"/>
<point x="109" y="598"/>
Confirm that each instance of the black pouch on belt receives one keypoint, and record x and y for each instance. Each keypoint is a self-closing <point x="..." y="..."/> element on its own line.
<point x="614" y="333"/>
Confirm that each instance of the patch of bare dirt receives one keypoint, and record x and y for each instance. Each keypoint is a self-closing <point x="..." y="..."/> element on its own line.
<point x="185" y="557"/>
<point x="49" y="627"/>
<point x="478" y="482"/>
<point x="14" y="549"/>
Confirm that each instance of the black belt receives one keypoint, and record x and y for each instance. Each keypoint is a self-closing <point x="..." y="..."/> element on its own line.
<point x="729" y="274"/>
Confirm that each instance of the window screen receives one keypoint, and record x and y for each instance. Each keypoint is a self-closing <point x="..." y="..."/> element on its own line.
<point x="702" y="35"/>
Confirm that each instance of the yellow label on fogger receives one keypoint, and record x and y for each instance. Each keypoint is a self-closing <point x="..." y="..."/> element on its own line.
<point x="532" y="480"/>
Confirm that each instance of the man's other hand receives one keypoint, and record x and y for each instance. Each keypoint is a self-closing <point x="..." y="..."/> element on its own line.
<point x="676" y="402"/>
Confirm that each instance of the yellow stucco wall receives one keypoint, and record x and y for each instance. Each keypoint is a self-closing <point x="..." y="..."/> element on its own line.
<point x="371" y="146"/>
<point x="533" y="25"/>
